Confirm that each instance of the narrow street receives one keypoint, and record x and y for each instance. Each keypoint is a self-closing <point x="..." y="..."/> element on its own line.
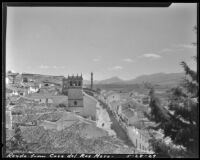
<point x="103" y="120"/>
<point x="120" y="132"/>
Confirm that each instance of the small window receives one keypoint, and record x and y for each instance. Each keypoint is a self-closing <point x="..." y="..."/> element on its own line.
<point x="136" y="143"/>
<point x="75" y="103"/>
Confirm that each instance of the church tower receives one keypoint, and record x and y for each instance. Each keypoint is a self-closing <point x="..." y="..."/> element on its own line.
<point x="65" y="86"/>
<point x="75" y="91"/>
<point x="91" y="80"/>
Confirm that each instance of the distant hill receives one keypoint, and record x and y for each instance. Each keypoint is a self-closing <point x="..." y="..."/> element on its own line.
<point x="112" y="80"/>
<point x="158" y="78"/>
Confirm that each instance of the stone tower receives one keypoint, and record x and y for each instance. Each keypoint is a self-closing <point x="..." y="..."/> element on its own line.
<point x="65" y="86"/>
<point x="75" y="91"/>
<point x="91" y="80"/>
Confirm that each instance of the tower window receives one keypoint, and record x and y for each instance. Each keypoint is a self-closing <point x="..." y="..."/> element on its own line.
<point x="136" y="143"/>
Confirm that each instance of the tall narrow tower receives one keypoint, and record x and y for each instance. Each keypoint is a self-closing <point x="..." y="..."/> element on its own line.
<point x="75" y="94"/>
<point x="91" y="80"/>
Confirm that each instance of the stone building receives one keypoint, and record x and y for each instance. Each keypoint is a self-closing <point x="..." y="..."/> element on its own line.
<point x="77" y="100"/>
<point x="75" y="91"/>
<point x="72" y="88"/>
<point x="65" y="86"/>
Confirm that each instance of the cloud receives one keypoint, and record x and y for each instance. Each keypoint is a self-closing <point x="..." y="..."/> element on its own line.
<point x="116" y="68"/>
<point x="37" y="35"/>
<point x="44" y="67"/>
<point x="151" y="55"/>
<point x="54" y="67"/>
<point x="51" y="67"/>
<point x="167" y="50"/>
<point x="186" y="46"/>
<point x="128" y="60"/>
<point x="96" y="59"/>
<point x="177" y="47"/>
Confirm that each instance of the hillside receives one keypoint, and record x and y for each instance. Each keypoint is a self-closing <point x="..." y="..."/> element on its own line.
<point x="112" y="80"/>
<point x="159" y="78"/>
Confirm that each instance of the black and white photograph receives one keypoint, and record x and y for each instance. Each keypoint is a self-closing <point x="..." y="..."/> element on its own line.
<point x="110" y="80"/>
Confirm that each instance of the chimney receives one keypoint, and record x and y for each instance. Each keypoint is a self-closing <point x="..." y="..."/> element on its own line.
<point x="91" y="80"/>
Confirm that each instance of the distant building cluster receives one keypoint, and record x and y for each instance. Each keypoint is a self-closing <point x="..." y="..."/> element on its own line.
<point x="129" y="113"/>
<point x="31" y="99"/>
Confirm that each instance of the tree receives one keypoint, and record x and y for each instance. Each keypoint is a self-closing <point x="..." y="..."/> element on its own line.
<point x="158" y="113"/>
<point x="179" y="120"/>
<point x="186" y="111"/>
<point x="17" y="143"/>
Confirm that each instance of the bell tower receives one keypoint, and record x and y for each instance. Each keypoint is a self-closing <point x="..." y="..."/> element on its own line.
<point x="75" y="91"/>
<point x="65" y="86"/>
<point x="91" y="80"/>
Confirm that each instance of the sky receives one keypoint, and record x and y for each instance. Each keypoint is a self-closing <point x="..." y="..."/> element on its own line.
<point x="109" y="41"/>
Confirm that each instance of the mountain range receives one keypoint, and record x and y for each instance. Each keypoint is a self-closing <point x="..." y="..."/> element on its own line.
<point x="157" y="78"/>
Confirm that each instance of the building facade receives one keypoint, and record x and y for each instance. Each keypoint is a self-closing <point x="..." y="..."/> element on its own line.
<point x="139" y="139"/>
<point x="65" y="86"/>
<point x="75" y="92"/>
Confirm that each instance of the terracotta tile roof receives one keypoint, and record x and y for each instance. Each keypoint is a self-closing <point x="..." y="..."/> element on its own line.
<point x="18" y="89"/>
<point x="8" y="90"/>
<point x="40" y="95"/>
<point x="114" y="103"/>
<point x="128" y="113"/>
<point x="134" y="105"/>
<point x="110" y="93"/>
<point x="14" y="98"/>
